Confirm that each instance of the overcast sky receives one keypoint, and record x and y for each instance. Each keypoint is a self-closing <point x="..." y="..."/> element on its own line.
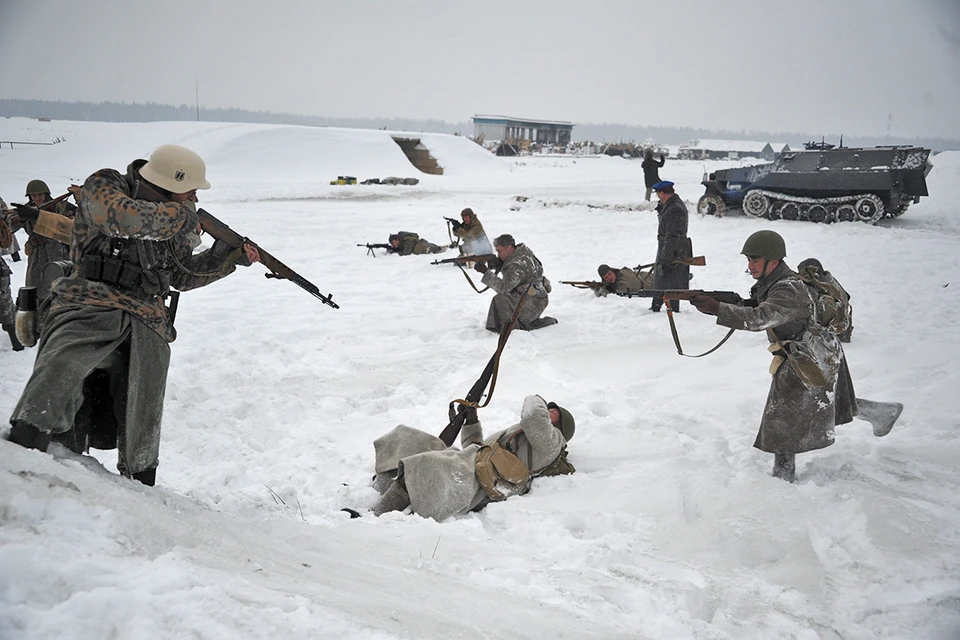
<point x="813" y="66"/>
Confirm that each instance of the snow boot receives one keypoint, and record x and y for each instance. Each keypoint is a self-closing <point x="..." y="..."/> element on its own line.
<point x="881" y="415"/>
<point x="395" y="499"/>
<point x="785" y="466"/>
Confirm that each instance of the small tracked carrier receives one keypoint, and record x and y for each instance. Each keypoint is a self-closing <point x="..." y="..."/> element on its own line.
<point x="823" y="185"/>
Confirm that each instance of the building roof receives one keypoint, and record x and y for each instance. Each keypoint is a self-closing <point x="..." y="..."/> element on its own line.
<point x="747" y="146"/>
<point x="487" y="119"/>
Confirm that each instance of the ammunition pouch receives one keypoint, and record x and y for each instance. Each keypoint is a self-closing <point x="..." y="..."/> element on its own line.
<point x="501" y="473"/>
<point x="141" y="283"/>
<point x="559" y="467"/>
<point x="809" y="357"/>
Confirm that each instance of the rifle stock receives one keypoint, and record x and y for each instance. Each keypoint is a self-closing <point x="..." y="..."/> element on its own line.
<point x="220" y="231"/>
<point x="452" y="430"/>
<point x="486" y="257"/>
<point x="730" y="297"/>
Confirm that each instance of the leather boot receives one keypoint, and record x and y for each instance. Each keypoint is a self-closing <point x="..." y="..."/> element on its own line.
<point x="785" y="466"/>
<point x="395" y="499"/>
<point x="14" y="341"/>
<point x="148" y="477"/>
<point x="28" y="436"/>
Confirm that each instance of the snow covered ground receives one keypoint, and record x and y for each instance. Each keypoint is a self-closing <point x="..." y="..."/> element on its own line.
<point x="672" y="526"/>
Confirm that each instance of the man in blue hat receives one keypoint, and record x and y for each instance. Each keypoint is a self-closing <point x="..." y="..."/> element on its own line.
<point x="672" y="243"/>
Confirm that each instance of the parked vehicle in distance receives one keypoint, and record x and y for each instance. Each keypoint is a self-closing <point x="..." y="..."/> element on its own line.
<point x="823" y="185"/>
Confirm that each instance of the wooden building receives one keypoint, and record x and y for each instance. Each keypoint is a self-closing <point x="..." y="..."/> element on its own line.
<point x="508" y="129"/>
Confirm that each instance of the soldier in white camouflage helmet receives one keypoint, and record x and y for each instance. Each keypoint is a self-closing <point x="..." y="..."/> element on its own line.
<point x="101" y="367"/>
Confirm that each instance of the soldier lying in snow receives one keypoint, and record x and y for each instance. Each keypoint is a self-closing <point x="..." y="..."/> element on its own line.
<point x="416" y="469"/>
<point x="406" y="243"/>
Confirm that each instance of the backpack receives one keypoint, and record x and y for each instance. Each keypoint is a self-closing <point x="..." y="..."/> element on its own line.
<point x="831" y="310"/>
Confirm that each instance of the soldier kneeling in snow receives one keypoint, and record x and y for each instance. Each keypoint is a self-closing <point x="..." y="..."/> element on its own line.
<point x="418" y="470"/>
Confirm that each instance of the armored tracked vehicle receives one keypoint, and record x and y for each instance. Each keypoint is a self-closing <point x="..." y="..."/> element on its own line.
<point x="823" y="185"/>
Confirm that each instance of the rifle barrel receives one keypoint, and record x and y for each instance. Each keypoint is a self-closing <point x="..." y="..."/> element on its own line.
<point x="730" y="297"/>
<point x="220" y="231"/>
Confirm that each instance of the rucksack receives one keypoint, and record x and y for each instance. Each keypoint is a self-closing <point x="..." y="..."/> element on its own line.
<point x="831" y="310"/>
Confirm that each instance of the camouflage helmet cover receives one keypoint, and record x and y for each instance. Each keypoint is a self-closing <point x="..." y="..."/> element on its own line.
<point x="35" y="187"/>
<point x="765" y="244"/>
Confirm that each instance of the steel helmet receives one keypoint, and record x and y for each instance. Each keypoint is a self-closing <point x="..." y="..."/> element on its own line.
<point x="176" y="169"/>
<point x="35" y="187"/>
<point x="765" y="244"/>
<point x="568" y="425"/>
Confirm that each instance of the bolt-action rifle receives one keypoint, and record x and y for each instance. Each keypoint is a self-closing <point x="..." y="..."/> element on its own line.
<point x="219" y="231"/>
<point x="730" y="297"/>
<point x="460" y="260"/>
<point x="584" y="284"/>
<point x="487" y="377"/>
<point x="696" y="261"/>
<point x="29" y="212"/>
<point x="371" y="246"/>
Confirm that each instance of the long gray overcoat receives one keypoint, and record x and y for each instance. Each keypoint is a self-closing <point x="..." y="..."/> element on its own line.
<point x="672" y="243"/>
<point x="442" y="481"/>
<point x="796" y="418"/>
<point x="519" y="271"/>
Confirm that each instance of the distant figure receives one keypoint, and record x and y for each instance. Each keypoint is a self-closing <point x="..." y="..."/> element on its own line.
<point x="415" y="469"/>
<point x="42" y="250"/>
<point x="8" y="311"/>
<point x="672" y="243"/>
<point x="475" y="241"/>
<point x="623" y="280"/>
<point x="407" y="243"/>
<point x="517" y="270"/>
<point x="825" y="276"/>
<point x="651" y="171"/>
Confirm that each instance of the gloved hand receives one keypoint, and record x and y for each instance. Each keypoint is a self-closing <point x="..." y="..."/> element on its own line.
<point x="472" y="415"/>
<point x="661" y="157"/>
<point x="496" y="263"/>
<point x="480" y="267"/>
<point x="705" y="304"/>
<point x="456" y="225"/>
<point x="26" y="212"/>
<point x="658" y="270"/>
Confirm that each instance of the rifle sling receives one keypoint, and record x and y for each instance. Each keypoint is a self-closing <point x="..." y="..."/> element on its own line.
<point x="676" y="336"/>
<point x="501" y="343"/>
<point x="467" y="276"/>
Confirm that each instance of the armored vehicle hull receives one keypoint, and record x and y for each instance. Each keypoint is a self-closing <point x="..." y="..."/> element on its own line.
<point x="826" y="185"/>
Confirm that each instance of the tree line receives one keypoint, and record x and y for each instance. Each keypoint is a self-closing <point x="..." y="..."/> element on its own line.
<point x="593" y="132"/>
